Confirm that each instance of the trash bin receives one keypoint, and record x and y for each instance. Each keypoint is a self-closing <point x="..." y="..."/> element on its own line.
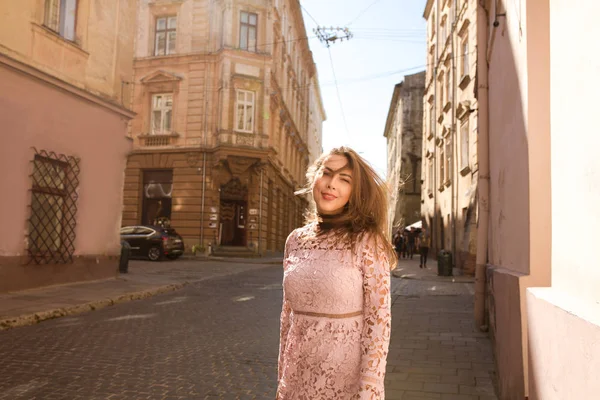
<point x="124" y="260"/>
<point x="444" y="261"/>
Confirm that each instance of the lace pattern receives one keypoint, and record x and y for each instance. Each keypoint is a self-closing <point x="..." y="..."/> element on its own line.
<point x="327" y="358"/>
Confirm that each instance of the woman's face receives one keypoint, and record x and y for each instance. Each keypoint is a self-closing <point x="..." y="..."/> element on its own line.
<point x="333" y="185"/>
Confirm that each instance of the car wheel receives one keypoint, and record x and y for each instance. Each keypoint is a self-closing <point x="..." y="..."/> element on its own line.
<point x="154" y="254"/>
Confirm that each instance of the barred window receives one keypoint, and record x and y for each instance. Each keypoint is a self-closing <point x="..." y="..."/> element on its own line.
<point x="60" y="16"/>
<point x="53" y="208"/>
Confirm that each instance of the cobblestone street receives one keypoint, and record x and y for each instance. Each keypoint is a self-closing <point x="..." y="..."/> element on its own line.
<point x="218" y="339"/>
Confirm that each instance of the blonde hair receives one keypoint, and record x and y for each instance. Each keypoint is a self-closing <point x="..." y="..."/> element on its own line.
<point x="366" y="210"/>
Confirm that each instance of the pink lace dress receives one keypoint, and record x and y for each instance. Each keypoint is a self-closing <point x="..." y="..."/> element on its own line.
<point x="335" y="321"/>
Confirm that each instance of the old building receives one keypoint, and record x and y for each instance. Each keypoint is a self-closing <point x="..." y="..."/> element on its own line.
<point x="450" y="124"/>
<point x="403" y="131"/>
<point x="65" y="66"/>
<point x="227" y="101"/>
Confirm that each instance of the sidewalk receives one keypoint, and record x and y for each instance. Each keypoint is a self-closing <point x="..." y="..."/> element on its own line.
<point x="409" y="269"/>
<point x="435" y="350"/>
<point x="144" y="279"/>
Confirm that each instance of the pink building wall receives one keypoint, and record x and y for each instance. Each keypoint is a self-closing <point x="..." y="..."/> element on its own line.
<point x="38" y="114"/>
<point x="564" y="319"/>
<point x="520" y="201"/>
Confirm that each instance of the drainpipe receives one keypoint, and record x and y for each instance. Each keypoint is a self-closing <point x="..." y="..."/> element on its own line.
<point x="434" y="225"/>
<point x="260" y="202"/>
<point x="206" y="74"/>
<point x="455" y="174"/>
<point x="483" y="183"/>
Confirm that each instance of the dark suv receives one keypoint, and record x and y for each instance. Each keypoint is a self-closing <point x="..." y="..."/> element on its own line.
<point x="154" y="242"/>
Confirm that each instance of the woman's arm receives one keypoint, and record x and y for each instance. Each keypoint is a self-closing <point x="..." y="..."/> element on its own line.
<point x="377" y="319"/>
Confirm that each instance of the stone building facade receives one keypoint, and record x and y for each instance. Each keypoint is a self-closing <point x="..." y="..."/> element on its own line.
<point x="65" y="66"/>
<point x="450" y="124"/>
<point x="222" y="93"/>
<point x="403" y="131"/>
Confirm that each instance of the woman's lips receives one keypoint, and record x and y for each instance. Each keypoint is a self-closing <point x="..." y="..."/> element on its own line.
<point x="328" y="196"/>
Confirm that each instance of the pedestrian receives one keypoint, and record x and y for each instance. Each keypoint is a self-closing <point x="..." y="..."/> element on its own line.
<point x="398" y="242"/>
<point x="424" y="242"/>
<point x="411" y="242"/>
<point x="336" y="314"/>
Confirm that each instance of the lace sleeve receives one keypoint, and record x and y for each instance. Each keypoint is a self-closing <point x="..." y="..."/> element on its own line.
<point x="285" y="314"/>
<point x="377" y="320"/>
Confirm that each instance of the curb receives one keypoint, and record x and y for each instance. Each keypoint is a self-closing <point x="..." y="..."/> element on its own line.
<point x="448" y="279"/>
<point x="34" y="318"/>
<point x="256" y="260"/>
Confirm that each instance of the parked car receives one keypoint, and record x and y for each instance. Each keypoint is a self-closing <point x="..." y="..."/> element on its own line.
<point x="154" y="242"/>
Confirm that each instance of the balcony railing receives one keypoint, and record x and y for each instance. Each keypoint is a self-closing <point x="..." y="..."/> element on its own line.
<point x="158" y="140"/>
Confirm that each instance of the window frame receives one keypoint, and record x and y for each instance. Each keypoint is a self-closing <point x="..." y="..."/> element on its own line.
<point x="249" y="28"/>
<point x="167" y="31"/>
<point x="59" y="20"/>
<point x="464" y="59"/>
<point x="244" y="103"/>
<point x="163" y="110"/>
<point x="449" y="153"/>
<point x="464" y="143"/>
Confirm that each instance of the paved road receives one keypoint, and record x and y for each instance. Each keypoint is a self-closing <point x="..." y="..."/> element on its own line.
<point x="218" y="339"/>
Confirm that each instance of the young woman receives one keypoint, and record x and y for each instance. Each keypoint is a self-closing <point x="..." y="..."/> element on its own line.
<point x="335" y="322"/>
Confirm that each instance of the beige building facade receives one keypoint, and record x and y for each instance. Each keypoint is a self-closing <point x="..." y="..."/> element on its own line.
<point x="404" y="135"/>
<point x="450" y="125"/>
<point x="64" y="72"/>
<point x="228" y="107"/>
<point x="542" y="283"/>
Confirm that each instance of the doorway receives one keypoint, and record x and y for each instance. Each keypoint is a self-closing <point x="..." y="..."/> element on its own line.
<point x="233" y="214"/>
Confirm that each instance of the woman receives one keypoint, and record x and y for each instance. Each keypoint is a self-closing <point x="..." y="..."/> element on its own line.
<point x="335" y="322"/>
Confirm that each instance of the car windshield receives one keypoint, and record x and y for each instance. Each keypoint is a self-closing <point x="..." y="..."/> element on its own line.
<point x="169" y="231"/>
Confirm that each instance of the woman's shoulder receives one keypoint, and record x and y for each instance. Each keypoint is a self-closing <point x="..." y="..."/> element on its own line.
<point x="301" y="233"/>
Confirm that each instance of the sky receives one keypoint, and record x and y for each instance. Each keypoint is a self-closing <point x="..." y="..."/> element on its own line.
<point x="388" y="42"/>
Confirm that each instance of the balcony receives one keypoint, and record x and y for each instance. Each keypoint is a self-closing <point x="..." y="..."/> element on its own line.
<point x="158" y="140"/>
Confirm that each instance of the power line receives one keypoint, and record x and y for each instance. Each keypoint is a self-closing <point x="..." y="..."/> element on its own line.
<point x="307" y="13"/>
<point x="338" y="94"/>
<point x="362" y="12"/>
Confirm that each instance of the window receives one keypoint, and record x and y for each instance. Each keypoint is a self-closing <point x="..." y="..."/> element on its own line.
<point x="165" y="36"/>
<point x="431" y="121"/>
<point x="464" y="59"/>
<point x="162" y="114"/>
<point x="464" y="144"/>
<point x="444" y="33"/>
<point x="60" y="16"/>
<point x="448" y="88"/>
<point x="441" y="95"/>
<point x="53" y="208"/>
<point x="157" y="201"/>
<point x="448" y="160"/>
<point x="248" y="22"/>
<point x="244" y="111"/>
<point x="430" y="176"/>
<point x="442" y="163"/>
<point x="431" y="59"/>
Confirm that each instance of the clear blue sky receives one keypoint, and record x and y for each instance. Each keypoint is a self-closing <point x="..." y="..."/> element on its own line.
<point x="389" y="36"/>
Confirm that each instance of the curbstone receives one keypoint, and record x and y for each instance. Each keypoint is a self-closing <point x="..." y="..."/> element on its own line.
<point x="34" y="318"/>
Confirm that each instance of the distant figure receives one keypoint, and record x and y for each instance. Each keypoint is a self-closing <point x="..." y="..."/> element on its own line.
<point x="336" y="315"/>
<point x="411" y="242"/>
<point x="424" y="242"/>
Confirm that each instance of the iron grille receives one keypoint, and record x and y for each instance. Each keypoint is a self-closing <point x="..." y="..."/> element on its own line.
<point x="51" y="233"/>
